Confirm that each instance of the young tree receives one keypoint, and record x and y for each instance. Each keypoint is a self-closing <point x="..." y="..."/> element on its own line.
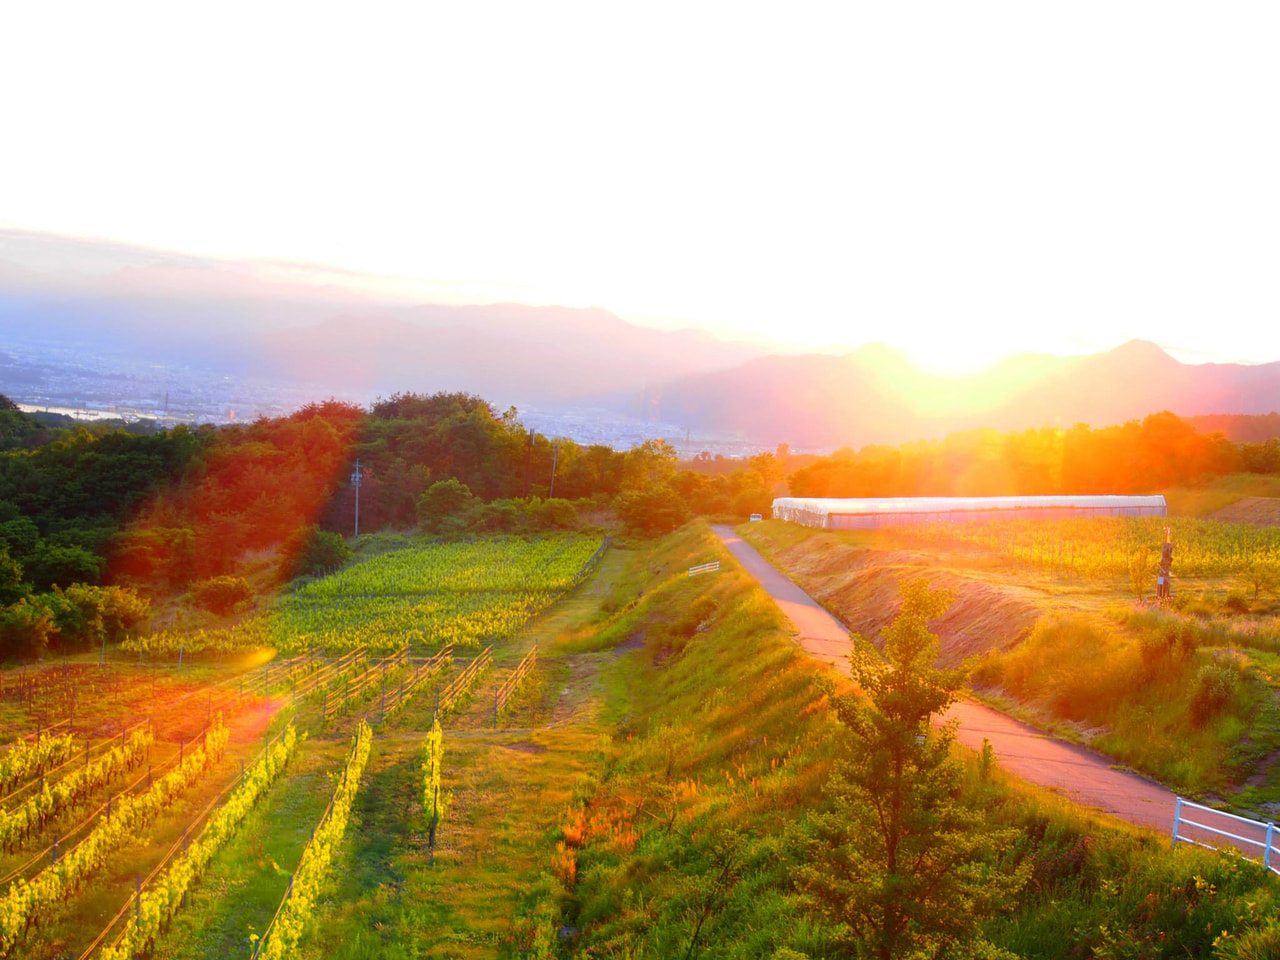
<point x="443" y="500"/>
<point x="900" y="861"/>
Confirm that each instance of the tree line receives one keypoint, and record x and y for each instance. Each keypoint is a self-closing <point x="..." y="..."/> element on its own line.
<point x="161" y="513"/>
<point x="1141" y="456"/>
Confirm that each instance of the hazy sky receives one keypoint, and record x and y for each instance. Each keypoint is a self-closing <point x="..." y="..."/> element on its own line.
<point x="960" y="179"/>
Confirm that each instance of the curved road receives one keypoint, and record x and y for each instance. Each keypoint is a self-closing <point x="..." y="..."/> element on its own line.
<point x="1074" y="772"/>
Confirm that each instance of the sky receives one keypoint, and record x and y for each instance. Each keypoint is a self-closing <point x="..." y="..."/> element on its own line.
<point x="962" y="181"/>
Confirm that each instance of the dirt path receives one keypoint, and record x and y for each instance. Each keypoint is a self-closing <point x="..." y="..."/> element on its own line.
<point x="1083" y="776"/>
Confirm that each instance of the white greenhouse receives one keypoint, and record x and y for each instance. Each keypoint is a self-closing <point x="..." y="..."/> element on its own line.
<point x="869" y="513"/>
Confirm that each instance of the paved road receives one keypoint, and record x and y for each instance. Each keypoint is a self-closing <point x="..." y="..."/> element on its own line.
<point x="1080" y="774"/>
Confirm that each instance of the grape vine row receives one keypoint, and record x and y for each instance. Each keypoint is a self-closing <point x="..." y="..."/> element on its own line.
<point x="18" y="824"/>
<point x="26" y="900"/>
<point x="157" y="904"/>
<point x="290" y="922"/>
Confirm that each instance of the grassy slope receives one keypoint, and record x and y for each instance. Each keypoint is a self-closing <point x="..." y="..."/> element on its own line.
<point x="657" y="770"/>
<point x="1220" y="492"/>
<point x="1064" y="656"/>
<point x="723" y="750"/>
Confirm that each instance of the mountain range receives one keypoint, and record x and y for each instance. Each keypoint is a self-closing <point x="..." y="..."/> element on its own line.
<point x="238" y="319"/>
<point x="873" y="395"/>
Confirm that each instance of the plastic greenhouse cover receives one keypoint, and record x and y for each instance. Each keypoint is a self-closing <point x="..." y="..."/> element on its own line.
<point x="889" y="505"/>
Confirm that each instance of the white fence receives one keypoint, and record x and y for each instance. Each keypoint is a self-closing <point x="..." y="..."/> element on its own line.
<point x="1250" y="838"/>
<point x="704" y="568"/>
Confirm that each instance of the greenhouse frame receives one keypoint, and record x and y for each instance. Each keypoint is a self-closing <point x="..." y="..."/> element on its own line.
<point x="871" y="513"/>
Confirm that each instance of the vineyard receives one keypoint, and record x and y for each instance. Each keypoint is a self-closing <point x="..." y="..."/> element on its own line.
<point x="129" y="779"/>
<point x="466" y="594"/>
<point x="1109" y="547"/>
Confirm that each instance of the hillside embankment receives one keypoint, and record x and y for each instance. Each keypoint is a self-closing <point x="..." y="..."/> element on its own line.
<point x="859" y="584"/>
<point x="1165" y="693"/>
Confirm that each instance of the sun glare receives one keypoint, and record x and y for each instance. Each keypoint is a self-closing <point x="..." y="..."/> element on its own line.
<point x="952" y="358"/>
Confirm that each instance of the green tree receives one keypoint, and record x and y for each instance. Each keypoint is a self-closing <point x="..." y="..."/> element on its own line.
<point x="12" y="587"/>
<point x="899" y="860"/>
<point x="652" y="510"/>
<point x="311" y="550"/>
<point x="753" y="500"/>
<point x="443" y="500"/>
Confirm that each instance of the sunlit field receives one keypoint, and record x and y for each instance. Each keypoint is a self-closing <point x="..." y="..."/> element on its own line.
<point x="466" y="593"/>
<point x="1119" y="547"/>
<point x="138" y="763"/>
<point x="1058" y="626"/>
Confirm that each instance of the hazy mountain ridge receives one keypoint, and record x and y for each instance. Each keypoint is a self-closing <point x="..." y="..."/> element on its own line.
<point x="825" y="401"/>
<point x="301" y="325"/>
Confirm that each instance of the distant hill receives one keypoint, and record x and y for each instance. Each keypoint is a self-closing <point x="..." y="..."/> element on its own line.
<point x="511" y="352"/>
<point x="1240" y="427"/>
<point x="249" y="319"/>
<point x="873" y="395"/>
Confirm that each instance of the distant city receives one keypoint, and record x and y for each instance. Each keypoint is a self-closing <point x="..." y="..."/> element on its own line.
<point x="53" y="379"/>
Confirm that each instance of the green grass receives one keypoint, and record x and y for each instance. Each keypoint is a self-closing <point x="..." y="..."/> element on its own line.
<point x="1220" y="492"/>
<point x="660" y="764"/>
<point x="1078" y="671"/>
<point x="240" y="893"/>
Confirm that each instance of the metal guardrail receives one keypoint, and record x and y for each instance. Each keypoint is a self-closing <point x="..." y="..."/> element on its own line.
<point x="1263" y="841"/>
<point x="711" y="567"/>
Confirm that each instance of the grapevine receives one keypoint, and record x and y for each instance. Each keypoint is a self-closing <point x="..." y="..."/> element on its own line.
<point x="27" y="758"/>
<point x="1107" y="547"/>
<point x="26" y="900"/>
<point x="295" y="911"/>
<point x="162" y="899"/>
<point x="17" y="824"/>
<point x="432" y="760"/>
<point x="464" y="593"/>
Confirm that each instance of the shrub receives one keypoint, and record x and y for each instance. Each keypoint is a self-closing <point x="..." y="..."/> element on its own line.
<point x="311" y="550"/>
<point x="221" y="595"/>
<point x="554" y="514"/>
<point x="1215" y="686"/>
<point x="1236" y="602"/>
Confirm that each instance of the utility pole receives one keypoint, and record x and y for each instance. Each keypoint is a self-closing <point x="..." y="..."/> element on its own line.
<point x="356" y="478"/>
<point x="528" y="466"/>
<point x="555" y="456"/>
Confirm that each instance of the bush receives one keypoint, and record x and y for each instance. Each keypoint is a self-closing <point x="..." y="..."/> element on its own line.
<point x="556" y="514"/>
<point x="1215" y="687"/>
<point x="311" y="551"/>
<point x="1236" y="602"/>
<point x="80" y="616"/>
<point x="221" y="595"/>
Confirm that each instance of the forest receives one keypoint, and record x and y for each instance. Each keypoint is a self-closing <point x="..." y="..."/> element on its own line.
<point x="125" y="517"/>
